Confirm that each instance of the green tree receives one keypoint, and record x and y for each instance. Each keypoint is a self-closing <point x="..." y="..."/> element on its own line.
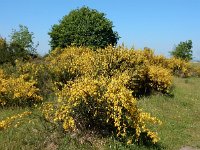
<point x="4" y="53"/>
<point x="20" y="46"/>
<point x="23" y="39"/>
<point x="83" y="27"/>
<point x="183" y="50"/>
<point x="9" y="52"/>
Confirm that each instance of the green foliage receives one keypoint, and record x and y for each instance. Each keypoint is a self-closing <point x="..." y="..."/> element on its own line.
<point x="83" y="27"/>
<point x="20" y="46"/>
<point x="23" y="39"/>
<point x="4" y="53"/>
<point x="11" y="51"/>
<point x="183" y="50"/>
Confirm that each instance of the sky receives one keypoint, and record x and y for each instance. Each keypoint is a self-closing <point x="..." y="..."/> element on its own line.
<point x="157" y="24"/>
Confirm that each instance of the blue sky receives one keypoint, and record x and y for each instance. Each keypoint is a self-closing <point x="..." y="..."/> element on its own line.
<point x="158" y="24"/>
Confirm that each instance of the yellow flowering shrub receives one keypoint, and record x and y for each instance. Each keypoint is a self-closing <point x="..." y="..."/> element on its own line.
<point x="70" y="63"/>
<point x="195" y="70"/>
<point x="179" y="67"/>
<point x="17" y="90"/>
<point x="38" y="71"/>
<point x="93" y="89"/>
<point x="160" y="78"/>
<point x="98" y="89"/>
<point x="101" y="102"/>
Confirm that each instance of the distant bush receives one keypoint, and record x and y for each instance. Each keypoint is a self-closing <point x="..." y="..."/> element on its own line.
<point x="179" y="67"/>
<point x="23" y="38"/>
<point x="195" y="70"/>
<point x="183" y="50"/>
<point x="20" y="46"/>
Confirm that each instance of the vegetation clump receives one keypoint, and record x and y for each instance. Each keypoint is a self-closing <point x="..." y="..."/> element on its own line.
<point x="83" y="27"/>
<point x="21" y="46"/>
<point x="183" y="50"/>
<point x="100" y="89"/>
<point x="82" y="89"/>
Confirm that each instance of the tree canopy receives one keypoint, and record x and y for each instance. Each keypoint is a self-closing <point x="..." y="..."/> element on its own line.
<point x="20" y="46"/>
<point x="4" y="55"/>
<point x="183" y="50"/>
<point x="83" y="27"/>
<point x="24" y="39"/>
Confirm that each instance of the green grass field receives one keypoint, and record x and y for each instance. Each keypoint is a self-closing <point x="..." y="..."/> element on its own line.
<point x="180" y="115"/>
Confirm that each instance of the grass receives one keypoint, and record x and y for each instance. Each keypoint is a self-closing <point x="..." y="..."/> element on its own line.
<point x="179" y="114"/>
<point x="26" y="136"/>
